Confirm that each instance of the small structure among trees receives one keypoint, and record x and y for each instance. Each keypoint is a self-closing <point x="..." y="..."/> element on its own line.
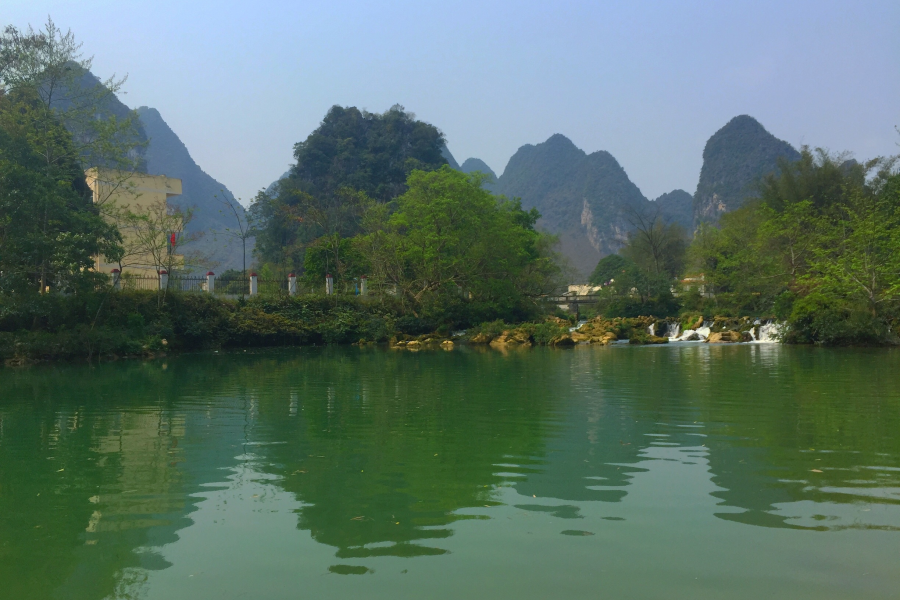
<point x="151" y="229"/>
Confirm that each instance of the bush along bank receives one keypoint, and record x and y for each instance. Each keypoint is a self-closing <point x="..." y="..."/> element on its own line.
<point x="106" y="326"/>
<point x="137" y="323"/>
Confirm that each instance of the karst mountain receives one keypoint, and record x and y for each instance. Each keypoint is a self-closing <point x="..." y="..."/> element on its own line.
<point x="590" y="203"/>
<point x="167" y="155"/>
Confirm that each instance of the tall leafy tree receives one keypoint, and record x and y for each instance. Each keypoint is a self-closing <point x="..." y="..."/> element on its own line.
<point x="56" y="119"/>
<point x="450" y="238"/>
<point x="819" y="248"/>
<point x="50" y="229"/>
<point x="352" y="156"/>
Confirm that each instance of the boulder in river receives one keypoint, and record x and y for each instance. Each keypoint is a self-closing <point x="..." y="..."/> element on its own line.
<point x="724" y="337"/>
<point x="563" y="340"/>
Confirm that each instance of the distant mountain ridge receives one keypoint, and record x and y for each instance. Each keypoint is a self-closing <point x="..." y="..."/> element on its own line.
<point x="167" y="155"/>
<point x="735" y="158"/>
<point x="677" y="206"/>
<point x="583" y="198"/>
<point x="470" y="165"/>
<point x="588" y="199"/>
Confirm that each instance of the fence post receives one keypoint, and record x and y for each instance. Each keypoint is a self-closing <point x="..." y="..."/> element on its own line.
<point x="292" y="284"/>
<point x="115" y="275"/>
<point x="329" y="284"/>
<point x="210" y="282"/>
<point x="253" y="284"/>
<point x="363" y="285"/>
<point x="163" y="279"/>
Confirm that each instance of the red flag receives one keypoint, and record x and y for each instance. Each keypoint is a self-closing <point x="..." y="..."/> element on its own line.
<point x="172" y="240"/>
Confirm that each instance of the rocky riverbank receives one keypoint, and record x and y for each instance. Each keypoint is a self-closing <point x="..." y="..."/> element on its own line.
<point x="636" y="330"/>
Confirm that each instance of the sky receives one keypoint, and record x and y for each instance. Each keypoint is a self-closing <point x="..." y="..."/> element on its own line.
<point x="241" y="82"/>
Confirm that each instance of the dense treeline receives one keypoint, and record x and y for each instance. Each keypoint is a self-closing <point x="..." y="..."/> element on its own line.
<point x="352" y="158"/>
<point x="372" y="195"/>
<point x="54" y="120"/>
<point x="819" y="248"/>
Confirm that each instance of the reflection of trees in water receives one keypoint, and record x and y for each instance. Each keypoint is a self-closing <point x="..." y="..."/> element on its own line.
<point x="92" y="469"/>
<point x="386" y="449"/>
<point x="614" y="398"/>
<point x="362" y="428"/>
<point x="776" y="415"/>
<point x="770" y="416"/>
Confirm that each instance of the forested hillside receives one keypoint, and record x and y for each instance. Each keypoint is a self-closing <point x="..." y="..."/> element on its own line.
<point x="676" y="207"/>
<point x="585" y="199"/>
<point x="352" y="158"/>
<point x="735" y="159"/>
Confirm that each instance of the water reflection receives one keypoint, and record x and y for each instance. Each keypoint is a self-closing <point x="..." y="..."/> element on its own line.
<point x="101" y="469"/>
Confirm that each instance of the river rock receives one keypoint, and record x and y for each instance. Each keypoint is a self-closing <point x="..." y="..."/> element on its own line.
<point x="604" y="339"/>
<point x="648" y="339"/>
<point x="724" y="337"/>
<point x="563" y="340"/>
<point x="515" y="337"/>
<point x="480" y="338"/>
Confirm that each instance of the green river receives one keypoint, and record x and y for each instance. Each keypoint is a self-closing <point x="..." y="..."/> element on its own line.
<point x="679" y="471"/>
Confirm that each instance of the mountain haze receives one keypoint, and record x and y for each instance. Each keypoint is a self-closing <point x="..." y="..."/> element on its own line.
<point x="676" y="207"/>
<point x="167" y="155"/>
<point x="445" y="152"/>
<point x="476" y="164"/>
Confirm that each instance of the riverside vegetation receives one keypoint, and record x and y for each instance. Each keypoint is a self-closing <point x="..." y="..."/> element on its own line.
<point x="815" y="246"/>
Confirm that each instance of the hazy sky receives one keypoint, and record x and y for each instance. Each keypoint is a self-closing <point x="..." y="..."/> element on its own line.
<point x="242" y="82"/>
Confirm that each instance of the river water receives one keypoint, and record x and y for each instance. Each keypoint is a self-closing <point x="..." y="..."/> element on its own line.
<point x="679" y="471"/>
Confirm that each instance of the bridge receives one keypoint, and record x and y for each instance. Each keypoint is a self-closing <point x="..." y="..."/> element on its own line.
<point x="573" y="301"/>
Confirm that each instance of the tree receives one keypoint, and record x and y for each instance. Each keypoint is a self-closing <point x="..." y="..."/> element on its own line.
<point x="50" y="230"/>
<point x="154" y="235"/>
<point x="610" y="267"/>
<point x="370" y="152"/>
<point x="49" y="62"/>
<point x="352" y="157"/>
<point x="58" y="117"/>
<point x="658" y="250"/>
<point x="857" y="257"/>
<point x="449" y="238"/>
<point x="654" y="244"/>
<point x="244" y="230"/>
<point x="819" y="248"/>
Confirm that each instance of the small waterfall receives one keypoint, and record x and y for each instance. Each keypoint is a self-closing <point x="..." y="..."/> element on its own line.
<point x="753" y="334"/>
<point x="652" y="329"/>
<point x="673" y="331"/>
<point x="704" y="331"/>
<point x="770" y="332"/>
